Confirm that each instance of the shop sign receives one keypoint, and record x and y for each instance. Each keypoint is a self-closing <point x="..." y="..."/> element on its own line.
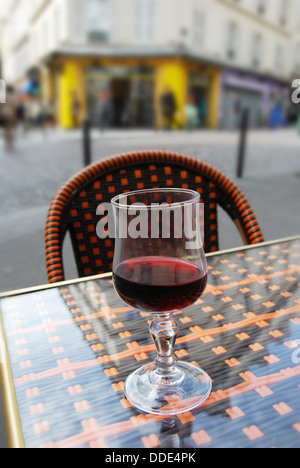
<point x="199" y="80"/>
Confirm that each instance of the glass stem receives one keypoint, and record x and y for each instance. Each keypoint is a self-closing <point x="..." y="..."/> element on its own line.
<point x="164" y="330"/>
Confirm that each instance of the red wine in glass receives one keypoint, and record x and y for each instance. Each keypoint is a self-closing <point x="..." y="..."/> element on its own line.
<point x="159" y="283"/>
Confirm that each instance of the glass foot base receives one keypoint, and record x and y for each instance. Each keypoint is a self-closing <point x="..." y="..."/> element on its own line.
<point x="191" y="390"/>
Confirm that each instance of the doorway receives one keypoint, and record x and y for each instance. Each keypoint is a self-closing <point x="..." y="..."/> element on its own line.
<point x="200" y="98"/>
<point x="120" y="92"/>
<point x="199" y="86"/>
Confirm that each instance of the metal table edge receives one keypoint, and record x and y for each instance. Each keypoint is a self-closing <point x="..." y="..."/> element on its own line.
<point x="10" y="406"/>
<point x="108" y="275"/>
<point x="252" y="246"/>
<point x="61" y="284"/>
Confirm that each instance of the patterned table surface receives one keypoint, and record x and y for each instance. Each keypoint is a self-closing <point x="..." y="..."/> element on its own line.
<point x="71" y="347"/>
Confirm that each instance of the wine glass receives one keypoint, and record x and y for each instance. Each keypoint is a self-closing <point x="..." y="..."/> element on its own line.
<point x="160" y="267"/>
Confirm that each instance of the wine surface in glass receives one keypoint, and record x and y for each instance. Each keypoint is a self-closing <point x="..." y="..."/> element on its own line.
<point x="159" y="284"/>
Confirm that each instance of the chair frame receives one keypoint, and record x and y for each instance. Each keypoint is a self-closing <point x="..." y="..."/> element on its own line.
<point x="234" y="201"/>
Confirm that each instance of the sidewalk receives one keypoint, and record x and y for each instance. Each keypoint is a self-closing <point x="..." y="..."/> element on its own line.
<point x="267" y="151"/>
<point x="283" y="136"/>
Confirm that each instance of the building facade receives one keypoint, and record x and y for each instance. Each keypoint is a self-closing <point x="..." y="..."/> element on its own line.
<point x="224" y="54"/>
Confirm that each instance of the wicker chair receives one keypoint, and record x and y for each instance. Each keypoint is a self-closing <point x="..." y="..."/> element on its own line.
<point x="73" y="209"/>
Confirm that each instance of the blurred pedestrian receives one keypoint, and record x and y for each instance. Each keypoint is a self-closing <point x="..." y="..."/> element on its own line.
<point x="298" y="124"/>
<point x="35" y="113"/>
<point x="103" y="111"/>
<point x="191" y="114"/>
<point x="168" y="107"/>
<point x="46" y="114"/>
<point x="49" y="112"/>
<point x="8" y="117"/>
<point x="202" y="111"/>
<point x="75" y="109"/>
<point x="20" y="113"/>
<point x="276" y="117"/>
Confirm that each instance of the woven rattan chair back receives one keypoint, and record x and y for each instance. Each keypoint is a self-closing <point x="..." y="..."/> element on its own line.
<point x="73" y="209"/>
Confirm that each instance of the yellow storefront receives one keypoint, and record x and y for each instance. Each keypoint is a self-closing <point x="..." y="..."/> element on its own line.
<point x="73" y="76"/>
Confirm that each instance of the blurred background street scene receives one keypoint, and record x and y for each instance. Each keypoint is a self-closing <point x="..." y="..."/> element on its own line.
<point x="168" y="74"/>
<point x="151" y="63"/>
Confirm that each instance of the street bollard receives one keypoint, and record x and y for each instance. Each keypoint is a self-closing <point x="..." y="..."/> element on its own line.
<point x="242" y="143"/>
<point x="87" y="159"/>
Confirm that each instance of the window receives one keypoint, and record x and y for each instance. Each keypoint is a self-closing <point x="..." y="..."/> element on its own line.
<point x="297" y="58"/>
<point x="284" y="11"/>
<point x="261" y="7"/>
<point x="144" y="17"/>
<point x="257" y="50"/>
<point x="198" y="28"/>
<point x="99" y="20"/>
<point x="279" y="58"/>
<point x="232" y="40"/>
<point x="57" y="24"/>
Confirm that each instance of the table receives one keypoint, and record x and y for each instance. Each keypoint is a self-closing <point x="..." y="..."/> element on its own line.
<point x="66" y="350"/>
